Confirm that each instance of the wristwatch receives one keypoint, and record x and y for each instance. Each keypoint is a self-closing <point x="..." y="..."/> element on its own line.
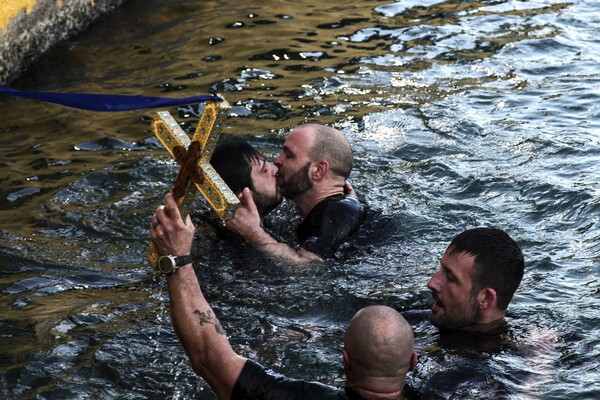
<point x="169" y="264"/>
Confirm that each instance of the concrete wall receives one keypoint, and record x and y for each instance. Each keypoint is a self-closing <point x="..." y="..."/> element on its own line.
<point x="30" y="27"/>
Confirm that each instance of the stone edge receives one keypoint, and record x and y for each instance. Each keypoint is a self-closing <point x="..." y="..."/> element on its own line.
<point x="29" y="35"/>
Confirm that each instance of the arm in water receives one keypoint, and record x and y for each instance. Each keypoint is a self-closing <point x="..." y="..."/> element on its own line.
<point x="247" y="223"/>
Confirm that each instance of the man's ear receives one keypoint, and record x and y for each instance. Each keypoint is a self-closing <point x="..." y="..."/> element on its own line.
<point x="346" y="361"/>
<point x="487" y="299"/>
<point x="413" y="361"/>
<point x="320" y="170"/>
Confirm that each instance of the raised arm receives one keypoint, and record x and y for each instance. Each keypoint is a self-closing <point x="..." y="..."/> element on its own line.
<point x="247" y="223"/>
<point x="194" y="321"/>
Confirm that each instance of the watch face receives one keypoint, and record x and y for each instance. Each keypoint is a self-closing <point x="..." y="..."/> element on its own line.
<point x="166" y="264"/>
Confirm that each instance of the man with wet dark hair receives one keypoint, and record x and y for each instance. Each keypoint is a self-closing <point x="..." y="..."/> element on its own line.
<point x="378" y="349"/>
<point x="241" y="166"/>
<point x="478" y="276"/>
<point x="312" y="171"/>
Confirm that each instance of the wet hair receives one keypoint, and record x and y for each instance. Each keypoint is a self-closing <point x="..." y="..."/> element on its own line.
<point x="499" y="262"/>
<point x="330" y="144"/>
<point x="233" y="162"/>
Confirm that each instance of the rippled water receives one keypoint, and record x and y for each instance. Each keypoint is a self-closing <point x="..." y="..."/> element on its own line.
<point x="460" y="113"/>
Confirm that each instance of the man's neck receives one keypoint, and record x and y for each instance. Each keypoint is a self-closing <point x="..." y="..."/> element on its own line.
<point x="368" y="394"/>
<point x="308" y="200"/>
<point x="486" y="327"/>
<point x="377" y="388"/>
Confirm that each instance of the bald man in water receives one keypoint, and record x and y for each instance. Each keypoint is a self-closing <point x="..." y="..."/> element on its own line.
<point x="378" y="352"/>
<point x="378" y="349"/>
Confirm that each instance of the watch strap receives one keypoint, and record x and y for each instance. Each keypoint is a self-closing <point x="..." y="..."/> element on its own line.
<point x="182" y="260"/>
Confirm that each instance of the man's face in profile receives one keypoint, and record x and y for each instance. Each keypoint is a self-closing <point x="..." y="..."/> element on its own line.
<point x="455" y="305"/>
<point x="266" y="193"/>
<point x="293" y="163"/>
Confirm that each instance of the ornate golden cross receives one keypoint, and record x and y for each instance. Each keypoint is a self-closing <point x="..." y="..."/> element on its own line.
<point x="196" y="173"/>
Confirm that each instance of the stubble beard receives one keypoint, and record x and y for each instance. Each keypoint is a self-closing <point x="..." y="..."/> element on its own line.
<point x="265" y="203"/>
<point x="465" y="317"/>
<point x="297" y="184"/>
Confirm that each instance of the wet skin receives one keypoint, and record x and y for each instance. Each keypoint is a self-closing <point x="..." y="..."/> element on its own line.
<point x="294" y="157"/>
<point x="455" y="306"/>
<point x="266" y="192"/>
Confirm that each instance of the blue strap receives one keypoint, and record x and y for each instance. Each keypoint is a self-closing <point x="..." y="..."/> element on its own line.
<point x="106" y="102"/>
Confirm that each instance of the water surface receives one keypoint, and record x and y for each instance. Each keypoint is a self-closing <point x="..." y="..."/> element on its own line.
<point x="460" y="113"/>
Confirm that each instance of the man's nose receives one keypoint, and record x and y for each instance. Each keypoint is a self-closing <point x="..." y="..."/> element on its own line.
<point x="433" y="283"/>
<point x="277" y="160"/>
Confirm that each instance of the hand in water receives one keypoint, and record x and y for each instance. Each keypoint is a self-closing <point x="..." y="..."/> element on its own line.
<point x="349" y="190"/>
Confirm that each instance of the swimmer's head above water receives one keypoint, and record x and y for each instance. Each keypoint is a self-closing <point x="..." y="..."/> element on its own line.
<point x="479" y="273"/>
<point x="240" y="165"/>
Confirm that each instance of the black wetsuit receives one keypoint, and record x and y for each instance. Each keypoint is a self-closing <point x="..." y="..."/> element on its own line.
<point x="329" y="223"/>
<point x="255" y="383"/>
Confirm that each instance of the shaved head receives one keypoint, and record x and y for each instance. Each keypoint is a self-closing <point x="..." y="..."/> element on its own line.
<point x="380" y="345"/>
<point x="330" y="144"/>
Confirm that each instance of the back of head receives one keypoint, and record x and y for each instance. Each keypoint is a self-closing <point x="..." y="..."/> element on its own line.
<point x="233" y="162"/>
<point x="499" y="262"/>
<point x="380" y="345"/>
<point x="331" y="145"/>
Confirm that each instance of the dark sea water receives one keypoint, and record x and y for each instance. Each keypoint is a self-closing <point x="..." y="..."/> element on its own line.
<point x="460" y="114"/>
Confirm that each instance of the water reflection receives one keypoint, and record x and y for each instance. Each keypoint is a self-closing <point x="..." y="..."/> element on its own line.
<point x="460" y="114"/>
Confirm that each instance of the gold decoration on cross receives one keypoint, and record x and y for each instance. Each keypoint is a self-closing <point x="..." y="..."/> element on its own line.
<point x="196" y="174"/>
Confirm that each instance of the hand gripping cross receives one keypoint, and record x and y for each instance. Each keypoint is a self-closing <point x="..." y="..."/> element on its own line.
<point x="196" y="174"/>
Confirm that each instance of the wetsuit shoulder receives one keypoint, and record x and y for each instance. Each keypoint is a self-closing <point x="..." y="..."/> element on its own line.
<point x="255" y="382"/>
<point x="330" y="223"/>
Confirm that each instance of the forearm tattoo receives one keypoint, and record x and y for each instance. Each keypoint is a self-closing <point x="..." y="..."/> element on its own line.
<point x="208" y="318"/>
